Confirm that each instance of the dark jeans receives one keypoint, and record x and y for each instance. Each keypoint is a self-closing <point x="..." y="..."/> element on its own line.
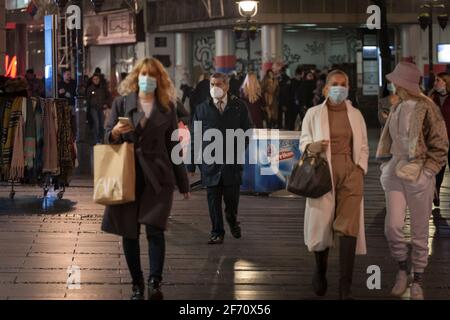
<point x="293" y="112"/>
<point x="440" y="176"/>
<point x="281" y="112"/>
<point x="97" y="120"/>
<point x="230" y="195"/>
<point x="156" y="253"/>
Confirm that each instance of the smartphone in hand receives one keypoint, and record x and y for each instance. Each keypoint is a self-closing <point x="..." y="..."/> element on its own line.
<point x="127" y="121"/>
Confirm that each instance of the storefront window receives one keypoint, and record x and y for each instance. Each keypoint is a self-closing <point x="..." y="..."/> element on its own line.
<point x="36" y="50"/>
<point x="16" y="4"/>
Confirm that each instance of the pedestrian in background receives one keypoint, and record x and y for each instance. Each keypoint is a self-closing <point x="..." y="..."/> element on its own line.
<point x="414" y="146"/>
<point x="441" y="96"/>
<point x="148" y="101"/>
<point x="67" y="89"/>
<point x="284" y="84"/>
<point x="98" y="100"/>
<point x="385" y="104"/>
<point x="270" y="90"/>
<point x="236" y="81"/>
<point x="296" y="99"/>
<point x="222" y="111"/>
<point x="35" y="85"/>
<point x="251" y="93"/>
<point x="318" y="97"/>
<point x="336" y="130"/>
<point x="200" y="93"/>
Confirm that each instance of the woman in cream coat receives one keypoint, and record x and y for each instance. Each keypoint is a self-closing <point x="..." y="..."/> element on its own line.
<point x="338" y="131"/>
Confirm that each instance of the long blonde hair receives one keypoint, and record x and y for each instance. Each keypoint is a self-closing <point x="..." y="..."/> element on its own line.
<point x="405" y="94"/>
<point x="165" y="91"/>
<point x="251" y="87"/>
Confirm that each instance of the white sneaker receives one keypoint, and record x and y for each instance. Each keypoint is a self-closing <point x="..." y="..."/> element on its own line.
<point x="416" y="291"/>
<point x="402" y="282"/>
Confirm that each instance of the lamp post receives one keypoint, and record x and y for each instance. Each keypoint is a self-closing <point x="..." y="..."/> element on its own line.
<point x="426" y="21"/>
<point x="247" y="10"/>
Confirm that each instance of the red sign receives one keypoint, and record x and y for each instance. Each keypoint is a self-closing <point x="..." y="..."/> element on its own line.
<point x="11" y="66"/>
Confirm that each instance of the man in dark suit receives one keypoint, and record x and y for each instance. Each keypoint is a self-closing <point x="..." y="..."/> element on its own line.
<point x="221" y="111"/>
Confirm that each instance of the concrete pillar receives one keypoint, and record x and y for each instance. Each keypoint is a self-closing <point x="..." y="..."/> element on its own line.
<point x="225" y="59"/>
<point x="2" y="36"/>
<point x="271" y="45"/>
<point x="183" y="60"/>
<point x="410" y="43"/>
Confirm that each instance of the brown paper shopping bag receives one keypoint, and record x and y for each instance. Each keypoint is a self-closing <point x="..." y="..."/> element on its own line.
<point x="114" y="174"/>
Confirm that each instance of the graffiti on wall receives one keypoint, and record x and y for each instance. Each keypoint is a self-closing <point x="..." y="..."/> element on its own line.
<point x="348" y="40"/>
<point x="204" y="53"/>
<point x="289" y="56"/>
<point x="315" y="48"/>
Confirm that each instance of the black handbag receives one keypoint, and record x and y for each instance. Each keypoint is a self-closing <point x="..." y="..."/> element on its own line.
<point x="310" y="177"/>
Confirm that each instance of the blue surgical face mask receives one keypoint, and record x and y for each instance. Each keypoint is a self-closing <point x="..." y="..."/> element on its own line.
<point x="147" y="84"/>
<point x="337" y="94"/>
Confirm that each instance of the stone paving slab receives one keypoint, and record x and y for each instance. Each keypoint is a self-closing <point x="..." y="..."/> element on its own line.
<point x="39" y="241"/>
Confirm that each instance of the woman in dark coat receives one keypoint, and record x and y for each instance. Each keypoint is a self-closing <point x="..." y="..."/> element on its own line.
<point x="251" y="93"/>
<point x="147" y="95"/>
<point x="441" y="96"/>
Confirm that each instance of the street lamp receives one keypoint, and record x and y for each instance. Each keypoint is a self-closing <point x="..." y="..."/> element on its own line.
<point x="426" y="21"/>
<point x="247" y="10"/>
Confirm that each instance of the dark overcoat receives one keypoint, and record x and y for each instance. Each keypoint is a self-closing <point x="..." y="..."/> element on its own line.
<point x="235" y="116"/>
<point x="156" y="175"/>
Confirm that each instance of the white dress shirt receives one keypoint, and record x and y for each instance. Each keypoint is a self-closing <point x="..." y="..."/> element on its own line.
<point x="224" y="101"/>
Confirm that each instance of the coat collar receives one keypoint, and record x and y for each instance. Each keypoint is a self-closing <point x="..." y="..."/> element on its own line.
<point x="157" y="118"/>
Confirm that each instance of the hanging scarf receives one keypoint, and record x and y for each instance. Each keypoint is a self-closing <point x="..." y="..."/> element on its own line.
<point x="65" y="139"/>
<point x="10" y="124"/>
<point x="18" y="160"/>
<point x="38" y="112"/>
<point x="50" y="150"/>
<point x="30" y="134"/>
<point x="3" y="102"/>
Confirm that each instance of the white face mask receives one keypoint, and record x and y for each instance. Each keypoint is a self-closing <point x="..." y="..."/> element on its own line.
<point x="391" y="88"/>
<point x="442" y="91"/>
<point x="217" y="93"/>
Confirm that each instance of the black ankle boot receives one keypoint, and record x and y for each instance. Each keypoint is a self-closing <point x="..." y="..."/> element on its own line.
<point x="319" y="282"/>
<point x="347" y="249"/>
<point x="138" y="291"/>
<point x="154" y="290"/>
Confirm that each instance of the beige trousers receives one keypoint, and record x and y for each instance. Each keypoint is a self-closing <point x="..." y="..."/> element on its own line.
<point x="349" y="187"/>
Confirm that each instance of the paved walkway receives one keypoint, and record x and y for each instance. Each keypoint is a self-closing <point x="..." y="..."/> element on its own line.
<point x="40" y="239"/>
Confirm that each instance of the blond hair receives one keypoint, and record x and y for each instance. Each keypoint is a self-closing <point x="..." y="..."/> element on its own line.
<point x="335" y="73"/>
<point x="165" y="91"/>
<point x="405" y="94"/>
<point x="251" y="87"/>
<point x="446" y="78"/>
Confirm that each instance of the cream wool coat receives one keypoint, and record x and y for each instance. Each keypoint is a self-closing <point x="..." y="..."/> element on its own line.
<point x="319" y="213"/>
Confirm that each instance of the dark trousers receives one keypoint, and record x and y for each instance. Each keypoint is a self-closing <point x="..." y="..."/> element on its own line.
<point x="293" y="112"/>
<point x="281" y="112"/>
<point x="97" y="118"/>
<point x="156" y="253"/>
<point x="440" y="176"/>
<point x="230" y="195"/>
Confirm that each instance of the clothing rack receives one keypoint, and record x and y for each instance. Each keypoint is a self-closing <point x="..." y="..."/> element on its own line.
<point x="36" y="142"/>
